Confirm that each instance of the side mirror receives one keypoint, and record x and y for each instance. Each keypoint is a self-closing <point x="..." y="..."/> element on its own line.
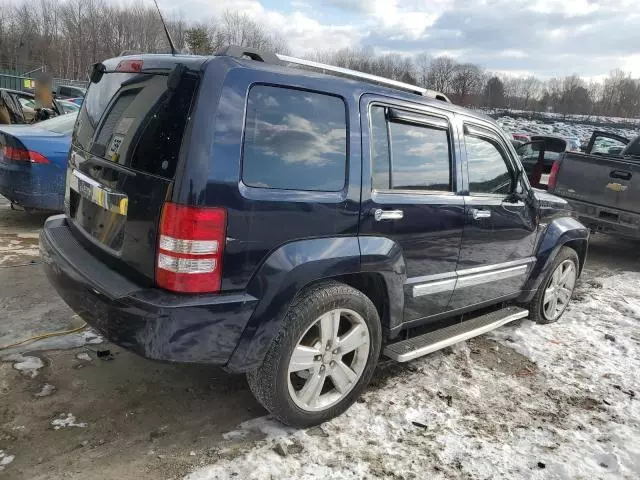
<point x="521" y="192"/>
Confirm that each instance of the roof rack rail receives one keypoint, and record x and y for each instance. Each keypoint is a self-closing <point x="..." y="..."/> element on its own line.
<point x="387" y="82"/>
<point x="249" y="53"/>
<point x="277" y="58"/>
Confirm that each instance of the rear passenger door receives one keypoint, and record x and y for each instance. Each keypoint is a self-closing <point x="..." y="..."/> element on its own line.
<point x="500" y="228"/>
<point x="410" y="178"/>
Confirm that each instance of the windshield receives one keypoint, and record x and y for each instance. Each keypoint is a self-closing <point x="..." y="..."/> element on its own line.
<point x="61" y="124"/>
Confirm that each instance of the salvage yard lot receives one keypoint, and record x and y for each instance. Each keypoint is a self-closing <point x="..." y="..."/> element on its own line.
<point x="528" y="401"/>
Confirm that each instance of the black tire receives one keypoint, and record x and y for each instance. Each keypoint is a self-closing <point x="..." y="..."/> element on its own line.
<point x="536" y="307"/>
<point x="269" y="383"/>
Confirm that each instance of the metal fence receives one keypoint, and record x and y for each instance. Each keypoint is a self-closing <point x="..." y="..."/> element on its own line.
<point x="12" y="80"/>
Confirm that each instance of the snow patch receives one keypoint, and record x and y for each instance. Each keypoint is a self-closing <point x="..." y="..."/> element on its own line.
<point x="5" y="459"/>
<point x="575" y="416"/>
<point x="65" y="342"/>
<point x="84" y="357"/>
<point x="27" y="365"/>
<point x="273" y="429"/>
<point x="67" y="420"/>
<point x="46" y="390"/>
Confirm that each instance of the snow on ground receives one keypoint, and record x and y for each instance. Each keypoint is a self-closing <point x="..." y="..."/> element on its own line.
<point x="67" y="420"/>
<point x="27" y="365"/>
<point x="5" y="459"/>
<point x="46" y="390"/>
<point x="88" y="336"/>
<point x="568" y="409"/>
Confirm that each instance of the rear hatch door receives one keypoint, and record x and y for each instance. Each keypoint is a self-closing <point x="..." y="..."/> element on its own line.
<point x="124" y="156"/>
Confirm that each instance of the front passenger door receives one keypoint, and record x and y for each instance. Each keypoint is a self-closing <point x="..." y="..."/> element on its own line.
<point x="500" y="228"/>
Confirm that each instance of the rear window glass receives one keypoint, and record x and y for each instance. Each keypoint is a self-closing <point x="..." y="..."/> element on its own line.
<point x="134" y="120"/>
<point x="294" y="140"/>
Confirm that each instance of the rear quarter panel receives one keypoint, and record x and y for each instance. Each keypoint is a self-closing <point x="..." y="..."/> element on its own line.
<point x="260" y="220"/>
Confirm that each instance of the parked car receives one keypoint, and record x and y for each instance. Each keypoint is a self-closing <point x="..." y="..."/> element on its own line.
<point x="78" y="101"/>
<point x="70" y="91"/>
<point x="602" y="184"/>
<point x="18" y="107"/>
<point x="294" y="225"/>
<point x="33" y="162"/>
<point x="68" y="107"/>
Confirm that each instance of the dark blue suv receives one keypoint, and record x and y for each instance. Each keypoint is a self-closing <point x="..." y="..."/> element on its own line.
<point x="295" y="221"/>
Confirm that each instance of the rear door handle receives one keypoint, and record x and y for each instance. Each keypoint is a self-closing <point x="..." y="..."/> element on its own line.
<point x="380" y="214"/>
<point x="478" y="213"/>
<point x="621" y="174"/>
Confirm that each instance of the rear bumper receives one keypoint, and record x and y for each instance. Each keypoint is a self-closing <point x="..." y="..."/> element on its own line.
<point x="607" y="220"/>
<point x="151" y="322"/>
<point x="33" y="186"/>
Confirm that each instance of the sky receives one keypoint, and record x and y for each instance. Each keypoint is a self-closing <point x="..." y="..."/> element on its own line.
<point x="518" y="37"/>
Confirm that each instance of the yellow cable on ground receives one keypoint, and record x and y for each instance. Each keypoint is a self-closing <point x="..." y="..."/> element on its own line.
<point x="44" y="335"/>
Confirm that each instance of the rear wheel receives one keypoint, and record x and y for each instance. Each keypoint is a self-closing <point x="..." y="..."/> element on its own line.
<point x="555" y="291"/>
<point x="322" y="359"/>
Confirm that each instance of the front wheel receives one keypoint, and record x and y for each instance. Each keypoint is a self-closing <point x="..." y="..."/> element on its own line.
<point x="554" y="293"/>
<point x="323" y="357"/>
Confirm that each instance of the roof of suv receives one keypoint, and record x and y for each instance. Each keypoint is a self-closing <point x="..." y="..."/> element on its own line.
<point x="199" y="62"/>
<point x="357" y="85"/>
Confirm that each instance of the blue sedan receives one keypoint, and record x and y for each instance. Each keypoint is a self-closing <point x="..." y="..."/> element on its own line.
<point x="33" y="162"/>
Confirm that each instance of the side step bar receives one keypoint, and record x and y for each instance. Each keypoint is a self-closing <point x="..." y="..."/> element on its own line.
<point x="430" y="342"/>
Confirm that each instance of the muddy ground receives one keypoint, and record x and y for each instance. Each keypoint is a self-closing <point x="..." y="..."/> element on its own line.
<point x="136" y="418"/>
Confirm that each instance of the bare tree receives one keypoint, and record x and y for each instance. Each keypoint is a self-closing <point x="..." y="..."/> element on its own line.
<point x="466" y="81"/>
<point x="441" y="74"/>
<point x="67" y="36"/>
<point x="423" y="66"/>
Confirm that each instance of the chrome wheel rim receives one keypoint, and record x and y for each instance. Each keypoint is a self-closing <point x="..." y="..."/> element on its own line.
<point x="559" y="290"/>
<point x="328" y="360"/>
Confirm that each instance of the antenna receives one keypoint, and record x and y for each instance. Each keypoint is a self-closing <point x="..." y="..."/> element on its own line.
<point x="166" y="31"/>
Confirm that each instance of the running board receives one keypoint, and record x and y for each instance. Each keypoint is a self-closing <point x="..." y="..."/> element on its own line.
<point x="430" y="342"/>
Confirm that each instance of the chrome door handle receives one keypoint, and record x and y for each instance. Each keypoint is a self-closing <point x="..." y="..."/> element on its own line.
<point x="380" y="214"/>
<point x="478" y="214"/>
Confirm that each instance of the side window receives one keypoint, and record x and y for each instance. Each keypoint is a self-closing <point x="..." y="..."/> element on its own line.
<point x="294" y="140"/>
<point x="380" y="149"/>
<point x="607" y="146"/>
<point x="409" y="156"/>
<point x="487" y="166"/>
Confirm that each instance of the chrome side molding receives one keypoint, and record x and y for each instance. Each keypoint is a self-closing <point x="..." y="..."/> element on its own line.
<point x="469" y="277"/>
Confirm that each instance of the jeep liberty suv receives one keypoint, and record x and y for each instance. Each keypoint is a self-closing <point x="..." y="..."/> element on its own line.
<point x="296" y="221"/>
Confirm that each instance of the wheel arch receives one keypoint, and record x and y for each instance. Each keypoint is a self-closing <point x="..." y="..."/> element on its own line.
<point x="378" y="272"/>
<point x="561" y="232"/>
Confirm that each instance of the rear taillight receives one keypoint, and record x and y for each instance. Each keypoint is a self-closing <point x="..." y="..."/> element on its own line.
<point x="130" y="66"/>
<point x="18" y="154"/>
<point x="190" y="248"/>
<point x="553" y="176"/>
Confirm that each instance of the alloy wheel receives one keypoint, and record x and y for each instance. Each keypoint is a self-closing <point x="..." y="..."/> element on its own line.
<point x="559" y="290"/>
<point x="328" y="360"/>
